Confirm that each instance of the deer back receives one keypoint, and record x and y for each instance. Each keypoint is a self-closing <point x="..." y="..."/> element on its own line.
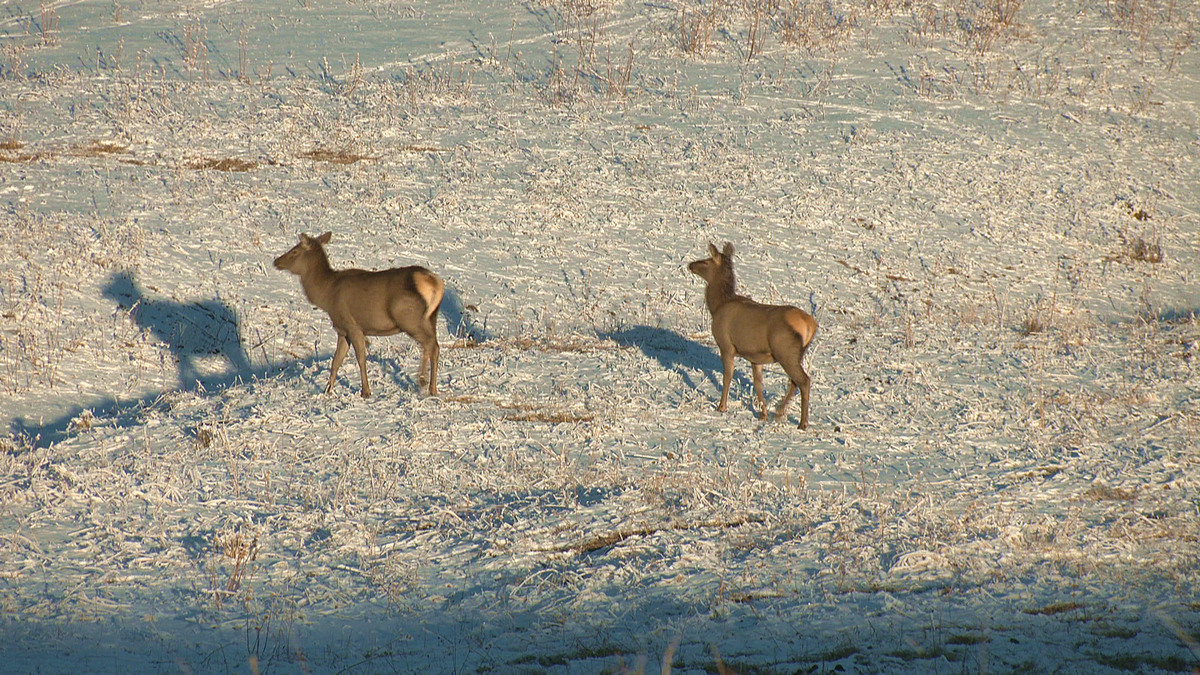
<point x="751" y="327"/>
<point x="376" y="302"/>
<point x="384" y="302"/>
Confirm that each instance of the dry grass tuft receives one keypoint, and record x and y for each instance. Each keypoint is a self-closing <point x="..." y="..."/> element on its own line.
<point x="814" y="27"/>
<point x="548" y="417"/>
<point x="235" y="552"/>
<point x="608" y="539"/>
<point x="97" y="149"/>
<point x="696" y="28"/>
<point x="1033" y="324"/>
<point x="575" y="346"/>
<point x="1056" y="608"/>
<point x="228" y="164"/>
<point x="1138" y="248"/>
<point x="11" y="152"/>
<point x="991" y="21"/>
<point x="1141" y="250"/>
<point x="343" y="157"/>
<point x="1041" y="317"/>
<point x="1104" y="493"/>
<point x="421" y="148"/>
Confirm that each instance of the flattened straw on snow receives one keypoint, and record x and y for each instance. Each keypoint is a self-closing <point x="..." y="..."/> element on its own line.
<point x="612" y="538"/>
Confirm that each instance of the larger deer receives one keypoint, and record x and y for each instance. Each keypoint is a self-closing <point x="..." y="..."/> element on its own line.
<point x="758" y="333"/>
<point x="362" y="303"/>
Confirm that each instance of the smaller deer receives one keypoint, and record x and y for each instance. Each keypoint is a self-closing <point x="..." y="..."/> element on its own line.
<point x="757" y="332"/>
<point x="362" y="303"/>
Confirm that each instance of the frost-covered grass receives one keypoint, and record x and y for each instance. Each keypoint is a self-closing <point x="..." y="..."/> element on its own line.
<point x="991" y="209"/>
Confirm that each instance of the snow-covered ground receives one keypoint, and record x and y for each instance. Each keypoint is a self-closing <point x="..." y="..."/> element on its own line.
<point x="992" y="208"/>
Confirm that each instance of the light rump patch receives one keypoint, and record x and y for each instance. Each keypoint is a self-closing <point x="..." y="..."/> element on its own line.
<point x="431" y="288"/>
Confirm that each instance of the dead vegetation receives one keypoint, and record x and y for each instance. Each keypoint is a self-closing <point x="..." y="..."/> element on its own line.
<point x="527" y="412"/>
<point x="97" y="149"/>
<point x="1140" y="249"/>
<point x="229" y="164"/>
<point x="341" y="156"/>
<point x="548" y="417"/>
<point x="12" y="151"/>
<point x="609" y="539"/>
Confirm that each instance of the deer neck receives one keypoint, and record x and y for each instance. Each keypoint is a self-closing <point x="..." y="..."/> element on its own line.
<point x="316" y="279"/>
<point x="720" y="291"/>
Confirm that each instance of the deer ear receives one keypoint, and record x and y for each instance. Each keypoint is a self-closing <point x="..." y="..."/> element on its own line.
<point x="324" y="239"/>
<point x="713" y="252"/>
<point x="728" y="252"/>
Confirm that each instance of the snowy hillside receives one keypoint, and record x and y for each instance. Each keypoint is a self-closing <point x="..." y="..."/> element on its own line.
<point x="991" y="207"/>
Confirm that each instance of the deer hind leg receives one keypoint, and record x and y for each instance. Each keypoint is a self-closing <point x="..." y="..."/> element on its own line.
<point x="801" y="381"/>
<point x="427" y="374"/>
<point x="758" y="390"/>
<point x="804" y="400"/>
<point x="360" y="352"/>
<point x="434" y="351"/>
<point x="792" y="348"/>
<point x="787" y="399"/>
<point x="338" y="355"/>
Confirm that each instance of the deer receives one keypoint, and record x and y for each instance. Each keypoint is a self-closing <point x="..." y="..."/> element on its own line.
<point x="361" y="303"/>
<point x="758" y="333"/>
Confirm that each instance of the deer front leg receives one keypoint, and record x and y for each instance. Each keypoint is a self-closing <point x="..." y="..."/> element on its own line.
<point x="726" y="378"/>
<point x="360" y="352"/>
<point x="338" y="355"/>
<point x="758" y="390"/>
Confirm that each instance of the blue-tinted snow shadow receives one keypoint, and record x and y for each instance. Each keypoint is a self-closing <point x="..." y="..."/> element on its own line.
<point x="205" y="329"/>
<point x="191" y="331"/>
<point x="676" y="353"/>
<point x="460" y="321"/>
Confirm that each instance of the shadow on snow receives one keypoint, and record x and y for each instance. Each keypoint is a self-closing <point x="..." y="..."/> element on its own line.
<point x="204" y="329"/>
<point x="676" y="353"/>
<point x="191" y="331"/>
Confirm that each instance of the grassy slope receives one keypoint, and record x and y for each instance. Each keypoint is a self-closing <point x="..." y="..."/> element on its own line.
<point x="999" y="473"/>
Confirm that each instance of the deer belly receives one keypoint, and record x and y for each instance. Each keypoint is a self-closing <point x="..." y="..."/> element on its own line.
<point x="757" y="357"/>
<point x="381" y="329"/>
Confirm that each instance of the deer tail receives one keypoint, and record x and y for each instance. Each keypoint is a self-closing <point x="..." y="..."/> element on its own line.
<point x="803" y="323"/>
<point x="431" y="289"/>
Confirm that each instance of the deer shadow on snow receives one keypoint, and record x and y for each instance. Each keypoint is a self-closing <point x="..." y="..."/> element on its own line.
<point x="190" y="330"/>
<point x="195" y="333"/>
<point x="676" y="353"/>
<point x="199" y="334"/>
